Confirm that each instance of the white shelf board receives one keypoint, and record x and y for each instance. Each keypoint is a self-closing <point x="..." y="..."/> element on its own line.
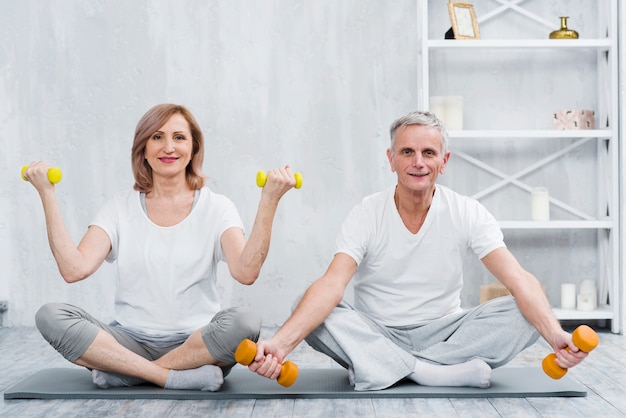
<point x="532" y="134"/>
<point x="520" y="43"/>
<point x="604" y="312"/>
<point x="600" y="224"/>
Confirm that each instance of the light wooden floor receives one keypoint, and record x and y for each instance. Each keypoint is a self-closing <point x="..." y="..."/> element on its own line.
<point x="23" y="352"/>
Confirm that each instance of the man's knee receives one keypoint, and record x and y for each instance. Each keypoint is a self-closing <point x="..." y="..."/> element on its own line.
<point x="515" y="319"/>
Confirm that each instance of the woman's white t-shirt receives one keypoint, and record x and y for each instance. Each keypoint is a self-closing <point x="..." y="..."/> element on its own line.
<point x="166" y="276"/>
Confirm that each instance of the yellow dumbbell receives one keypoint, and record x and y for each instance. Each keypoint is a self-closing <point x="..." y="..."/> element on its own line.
<point x="54" y="174"/>
<point x="261" y="179"/>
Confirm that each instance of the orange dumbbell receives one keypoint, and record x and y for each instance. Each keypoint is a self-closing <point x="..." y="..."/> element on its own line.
<point x="261" y="179"/>
<point x="245" y="353"/>
<point x="584" y="338"/>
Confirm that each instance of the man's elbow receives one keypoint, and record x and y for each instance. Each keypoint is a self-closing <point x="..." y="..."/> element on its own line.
<point x="329" y="288"/>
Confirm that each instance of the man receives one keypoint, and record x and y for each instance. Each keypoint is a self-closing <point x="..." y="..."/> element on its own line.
<point x="404" y="247"/>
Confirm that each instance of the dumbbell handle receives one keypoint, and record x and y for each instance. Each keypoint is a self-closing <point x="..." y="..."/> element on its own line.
<point x="584" y="338"/>
<point x="245" y="353"/>
<point x="54" y="174"/>
<point x="261" y="179"/>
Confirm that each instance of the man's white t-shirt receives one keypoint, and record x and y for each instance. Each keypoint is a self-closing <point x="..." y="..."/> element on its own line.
<point x="166" y="276"/>
<point x="404" y="278"/>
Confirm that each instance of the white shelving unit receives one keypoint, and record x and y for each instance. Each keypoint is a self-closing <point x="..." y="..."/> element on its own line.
<point x="604" y="221"/>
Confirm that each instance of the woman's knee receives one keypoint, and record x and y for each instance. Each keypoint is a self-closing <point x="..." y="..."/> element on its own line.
<point x="238" y="323"/>
<point x="48" y="319"/>
<point x="227" y="329"/>
<point x="247" y="323"/>
<point x="66" y="328"/>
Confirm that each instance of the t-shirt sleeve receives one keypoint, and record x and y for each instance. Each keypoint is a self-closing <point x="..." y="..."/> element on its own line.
<point x="485" y="233"/>
<point x="354" y="234"/>
<point x="229" y="218"/>
<point x="107" y="219"/>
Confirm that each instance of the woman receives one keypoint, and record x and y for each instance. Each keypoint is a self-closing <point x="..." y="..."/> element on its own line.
<point x="167" y="236"/>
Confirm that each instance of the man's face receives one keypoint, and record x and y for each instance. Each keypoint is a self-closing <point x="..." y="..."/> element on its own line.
<point x="417" y="158"/>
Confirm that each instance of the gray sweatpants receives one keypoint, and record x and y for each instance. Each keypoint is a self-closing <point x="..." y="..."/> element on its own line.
<point x="380" y="356"/>
<point x="71" y="330"/>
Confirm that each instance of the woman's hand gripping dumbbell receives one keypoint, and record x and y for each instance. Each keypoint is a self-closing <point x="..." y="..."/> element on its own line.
<point x="54" y="174"/>
<point x="245" y="353"/>
<point x="584" y="338"/>
<point x="261" y="179"/>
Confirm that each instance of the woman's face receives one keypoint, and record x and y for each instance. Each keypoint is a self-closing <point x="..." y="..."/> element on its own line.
<point x="170" y="148"/>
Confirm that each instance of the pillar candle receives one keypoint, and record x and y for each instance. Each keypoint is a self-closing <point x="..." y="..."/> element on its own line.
<point x="587" y="299"/>
<point x="454" y="113"/>
<point x="437" y="107"/>
<point x="540" y="204"/>
<point x="568" y="296"/>
<point x="585" y="302"/>
<point x="449" y="109"/>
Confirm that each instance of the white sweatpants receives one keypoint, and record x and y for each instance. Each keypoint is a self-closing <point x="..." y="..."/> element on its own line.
<point x="380" y="356"/>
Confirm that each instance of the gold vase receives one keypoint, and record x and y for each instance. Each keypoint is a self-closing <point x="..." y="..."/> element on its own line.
<point x="564" y="33"/>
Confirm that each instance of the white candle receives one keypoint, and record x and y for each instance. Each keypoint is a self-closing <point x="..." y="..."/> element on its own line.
<point x="449" y="109"/>
<point x="454" y="113"/>
<point x="438" y="107"/>
<point x="588" y="296"/>
<point x="568" y="296"/>
<point x="585" y="302"/>
<point x="540" y="204"/>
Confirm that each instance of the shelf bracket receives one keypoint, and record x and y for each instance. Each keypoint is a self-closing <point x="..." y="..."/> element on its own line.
<point x="513" y="5"/>
<point x="514" y="178"/>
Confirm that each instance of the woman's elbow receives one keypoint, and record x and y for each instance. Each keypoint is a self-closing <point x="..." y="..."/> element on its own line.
<point x="73" y="275"/>
<point x="71" y="278"/>
<point x="245" y="278"/>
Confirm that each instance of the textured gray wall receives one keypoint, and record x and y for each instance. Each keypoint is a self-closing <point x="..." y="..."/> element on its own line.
<point x="313" y="84"/>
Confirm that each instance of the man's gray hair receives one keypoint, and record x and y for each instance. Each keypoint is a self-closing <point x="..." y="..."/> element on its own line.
<point x="420" y="118"/>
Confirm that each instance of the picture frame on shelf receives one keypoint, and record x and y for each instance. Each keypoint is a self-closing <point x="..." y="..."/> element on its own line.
<point x="463" y="19"/>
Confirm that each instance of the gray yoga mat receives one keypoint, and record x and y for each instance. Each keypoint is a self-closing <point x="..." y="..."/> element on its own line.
<point x="506" y="382"/>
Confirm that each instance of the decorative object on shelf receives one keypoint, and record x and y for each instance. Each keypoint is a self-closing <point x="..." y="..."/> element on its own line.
<point x="449" y="109"/>
<point x="564" y="32"/>
<point x="573" y="119"/>
<point x="496" y="290"/>
<point x="587" y="299"/>
<point x="540" y="205"/>
<point x="464" y="23"/>
<point x="568" y="296"/>
<point x="492" y="291"/>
